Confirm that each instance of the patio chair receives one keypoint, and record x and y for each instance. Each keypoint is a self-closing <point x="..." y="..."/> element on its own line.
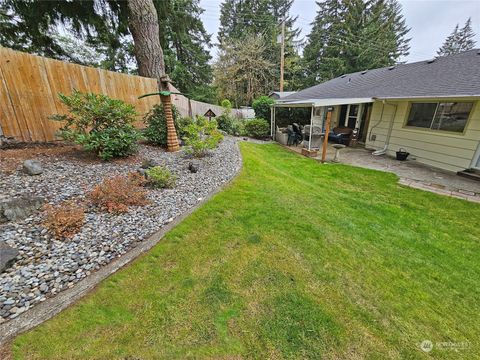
<point x="281" y="135"/>
<point x="316" y="140"/>
<point x="294" y="138"/>
<point x="340" y="135"/>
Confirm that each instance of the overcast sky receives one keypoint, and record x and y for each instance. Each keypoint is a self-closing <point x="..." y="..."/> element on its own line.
<point x="431" y="21"/>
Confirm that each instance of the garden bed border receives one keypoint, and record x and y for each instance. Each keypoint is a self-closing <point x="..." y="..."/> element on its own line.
<point x="54" y="305"/>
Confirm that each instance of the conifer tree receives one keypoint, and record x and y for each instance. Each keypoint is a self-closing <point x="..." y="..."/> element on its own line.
<point x="459" y="40"/>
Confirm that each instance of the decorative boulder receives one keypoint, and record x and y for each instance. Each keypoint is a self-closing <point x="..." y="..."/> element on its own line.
<point x="19" y="208"/>
<point x="32" y="167"/>
<point x="193" y="168"/>
<point x="7" y="256"/>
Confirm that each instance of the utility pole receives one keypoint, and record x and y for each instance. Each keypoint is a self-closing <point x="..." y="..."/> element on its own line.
<point x="282" y="56"/>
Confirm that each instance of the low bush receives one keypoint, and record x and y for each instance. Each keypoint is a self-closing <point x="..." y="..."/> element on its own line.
<point x="257" y="128"/>
<point x="230" y="125"/>
<point x="65" y="219"/>
<point x="156" y="131"/>
<point x="201" y="136"/>
<point x="100" y="124"/>
<point x="161" y="177"/>
<point x="116" y="194"/>
<point x="226" y="122"/>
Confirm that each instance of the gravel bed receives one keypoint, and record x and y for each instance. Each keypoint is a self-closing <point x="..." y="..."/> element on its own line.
<point x="47" y="266"/>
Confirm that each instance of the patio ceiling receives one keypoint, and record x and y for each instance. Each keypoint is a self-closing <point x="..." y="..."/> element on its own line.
<point x="322" y="102"/>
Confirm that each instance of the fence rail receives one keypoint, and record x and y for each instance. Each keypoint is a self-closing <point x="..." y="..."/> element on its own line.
<point x="29" y="87"/>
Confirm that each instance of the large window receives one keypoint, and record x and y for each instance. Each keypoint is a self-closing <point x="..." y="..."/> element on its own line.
<point x="446" y="116"/>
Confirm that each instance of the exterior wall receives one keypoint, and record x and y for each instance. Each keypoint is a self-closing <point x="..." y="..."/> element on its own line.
<point x="445" y="150"/>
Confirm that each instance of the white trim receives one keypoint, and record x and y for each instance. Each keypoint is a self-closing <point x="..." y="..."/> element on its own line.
<point x="322" y="102"/>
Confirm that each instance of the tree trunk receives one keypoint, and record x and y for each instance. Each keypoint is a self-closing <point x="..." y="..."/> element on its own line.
<point x="143" y="24"/>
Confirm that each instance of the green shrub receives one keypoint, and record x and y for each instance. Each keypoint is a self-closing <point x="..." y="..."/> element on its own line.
<point x="257" y="128"/>
<point x="230" y="125"/>
<point x="161" y="177"/>
<point x="201" y="136"/>
<point x="156" y="131"/>
<point x="100" y="124"/>
<point x="261" y="106"/>
<point x="227" y="122"/>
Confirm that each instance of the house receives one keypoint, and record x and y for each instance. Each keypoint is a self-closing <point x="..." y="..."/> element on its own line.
<point x="429" y="108"/>
<point x="280" y="94"/>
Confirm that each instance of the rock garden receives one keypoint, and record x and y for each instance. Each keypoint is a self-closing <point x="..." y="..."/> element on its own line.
<point x="66" y="210"/>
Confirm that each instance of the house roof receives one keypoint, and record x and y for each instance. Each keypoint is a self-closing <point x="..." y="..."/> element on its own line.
<point x="449" y="76"/>
<point x="282" y="94"/>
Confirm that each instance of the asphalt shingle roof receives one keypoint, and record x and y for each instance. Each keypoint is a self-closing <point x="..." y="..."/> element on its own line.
<point x="454" y="75"/>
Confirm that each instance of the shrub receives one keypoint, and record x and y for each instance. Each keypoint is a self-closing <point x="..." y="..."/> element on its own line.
<point x="65" y="219"/>
<point x="227" y="122"/>
<point x="226" y="104"/>
<point x="156" y="131"/>
<point x="100" y="124"/>
<point x="201" y="136"/>
<point x="261" y="106"/>
<point x="230" y="125"/>
<point x="161" y="177"/>
<point x="257" y="128"/>
<point x="116" y="194"/>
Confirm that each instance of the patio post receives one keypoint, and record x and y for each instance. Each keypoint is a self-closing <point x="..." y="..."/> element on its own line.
<point x="327" y="130"/>
<point x="272" y="121"/>
<point x="311" y="128"/>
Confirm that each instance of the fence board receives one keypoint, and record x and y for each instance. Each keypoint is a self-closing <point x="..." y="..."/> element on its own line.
<point x="30" y="84"/>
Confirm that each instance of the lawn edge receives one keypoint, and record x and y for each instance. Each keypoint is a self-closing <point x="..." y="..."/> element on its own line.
<point x="53" y="306"/>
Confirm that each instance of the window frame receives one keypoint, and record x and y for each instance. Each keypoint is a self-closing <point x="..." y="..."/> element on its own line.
<point x="438" y="102"/>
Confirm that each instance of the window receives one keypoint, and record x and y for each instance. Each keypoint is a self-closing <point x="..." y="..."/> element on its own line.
<point x="451" y="116"/>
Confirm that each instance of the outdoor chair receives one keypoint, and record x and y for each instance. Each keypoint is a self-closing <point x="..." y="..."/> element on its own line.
<point x="340" y="135"/>
<point x="294" y="138"/>
<point x="281" y="135"/>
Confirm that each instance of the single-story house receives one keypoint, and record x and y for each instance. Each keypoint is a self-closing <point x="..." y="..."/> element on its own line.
<point x="429" y="108"/>
<point x="280" y="94"/>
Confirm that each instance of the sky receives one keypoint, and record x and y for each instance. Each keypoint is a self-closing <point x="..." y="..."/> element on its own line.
<point x="431" y="21"/>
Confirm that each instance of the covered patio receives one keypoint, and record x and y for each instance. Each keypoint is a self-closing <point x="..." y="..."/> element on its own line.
<point x="350" y="113"/>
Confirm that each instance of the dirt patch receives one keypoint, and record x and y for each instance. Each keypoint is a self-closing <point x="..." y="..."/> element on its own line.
<point x="12" y="159"/>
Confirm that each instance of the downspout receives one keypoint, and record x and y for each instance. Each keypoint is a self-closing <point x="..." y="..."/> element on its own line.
<point x="390" y="128"/>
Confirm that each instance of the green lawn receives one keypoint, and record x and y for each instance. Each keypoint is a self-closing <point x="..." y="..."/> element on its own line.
<point x="293" y="260"/>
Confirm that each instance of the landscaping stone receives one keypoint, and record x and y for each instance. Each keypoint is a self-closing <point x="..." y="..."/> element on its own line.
<point x="46" y="266"/>
<point x="7" y="256"/>
<point x="19" y="208"/>
<point x="193" y="168"/>
<point x="32" y="167"/>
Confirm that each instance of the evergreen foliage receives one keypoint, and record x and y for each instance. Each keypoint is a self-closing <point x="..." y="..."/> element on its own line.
<point x="350" y="36"/>
<point x="459" y="40"/>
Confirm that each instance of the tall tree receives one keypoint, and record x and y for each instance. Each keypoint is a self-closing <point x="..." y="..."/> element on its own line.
<point x="242" y="71"/>
<point x="354" y="35"/>
<point x="240" y="19"/>
<point x="102" y="25"/>
<point x="34" y="28"/>
<point x="143" y="22"/>
<point x="459" y="40"/>
<point x="185" y="43"/>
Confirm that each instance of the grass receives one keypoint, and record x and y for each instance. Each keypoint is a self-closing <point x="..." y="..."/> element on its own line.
<point x="293" y="260"/>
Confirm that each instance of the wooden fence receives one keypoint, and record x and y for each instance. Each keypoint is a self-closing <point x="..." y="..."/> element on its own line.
<point x="29" y="87"/>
